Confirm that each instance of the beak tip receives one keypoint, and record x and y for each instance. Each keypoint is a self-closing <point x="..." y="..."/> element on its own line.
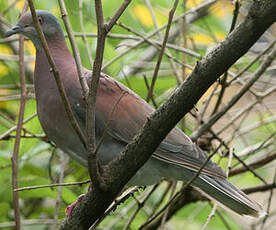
<point x="9" y="33"/>
<point x="15" y="30"/>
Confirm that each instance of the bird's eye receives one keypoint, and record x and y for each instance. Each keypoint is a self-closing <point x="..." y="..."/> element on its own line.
<point x="40" y="20"/>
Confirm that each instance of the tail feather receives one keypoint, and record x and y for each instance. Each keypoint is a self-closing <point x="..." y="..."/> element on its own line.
<point x="228" y="196"/>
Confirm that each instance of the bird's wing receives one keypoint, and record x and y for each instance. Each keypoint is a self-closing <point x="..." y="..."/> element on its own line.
<point x="130" y="113"/>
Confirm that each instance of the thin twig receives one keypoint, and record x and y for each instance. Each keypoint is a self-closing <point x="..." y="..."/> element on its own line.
<point x="55" y="72"/>
<point x="211" y="215"/>
<point x="148" y="87"/>
<point x="213" y="119"/>
<point x="269" y="202"/>
<point x="249" y="169"/>
<point x="93" y="164"/>
<point x="183" y="40"/>
<point x="16" y="97"/>
<point x="192" y="11"/>
<point x="140" y="206"/>
<point x="11" y="5"/>
<point x="237" y="157"/>
<point x="154" y="77"/>
<point x="123" y="213"/>
<point x="260" y="188"/>
<point x="172" y="64"/>
<point x="114" y="205"/>
<point x="42" y="137"/>
<point x="109" y="120"/>
<point x="145" y="39"/>
<point x="224" y="78"/>
<point x="206" y="104"/>
<point x="165" y="215"/>
<point x="5" y="134"/>
<point x="84" y="37"/>
<point x="110" y="35"/>
<point x="14" y="158"/>
<point x="52" y="185"/>
<point x="103" y="29"/>
<point x="117" y="15"/>
<point x="257" y="164"/>
<point x="75" y="49"/>
<point x="64" y="161"/>
<point x="29" y="222"/>
<point x="251" y="63"/>
<point x="253" y="127"/>
<point x="258" y="146"/>
<point x="162" y="198"/>
<point x="223" y="220"/>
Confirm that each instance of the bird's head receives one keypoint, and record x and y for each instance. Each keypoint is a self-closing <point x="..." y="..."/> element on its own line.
<point x="48" y="22"/>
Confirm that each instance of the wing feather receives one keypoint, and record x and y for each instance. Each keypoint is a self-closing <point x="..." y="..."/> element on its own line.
<point x="129" y="115"/>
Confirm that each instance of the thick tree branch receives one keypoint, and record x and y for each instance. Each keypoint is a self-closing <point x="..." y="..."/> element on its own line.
<point x="261" y="15"/>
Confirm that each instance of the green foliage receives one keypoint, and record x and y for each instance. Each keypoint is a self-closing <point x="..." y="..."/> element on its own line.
<point x="36" y="154"/>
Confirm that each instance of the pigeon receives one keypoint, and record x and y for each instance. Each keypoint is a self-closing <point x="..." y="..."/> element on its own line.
<point x="177" y="157"/>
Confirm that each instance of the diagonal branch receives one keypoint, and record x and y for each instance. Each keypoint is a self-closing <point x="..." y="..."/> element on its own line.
<point x="254" y="165"/>
<point x="60" y="86"/>
<point x="117" y="15"/>
<point x="74" y="46"/>
<point x="214" y="118"/>
<point x="171" y="14"/>
<point x="261" y="15"/>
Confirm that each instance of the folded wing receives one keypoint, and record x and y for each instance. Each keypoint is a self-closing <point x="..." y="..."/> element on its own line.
<point x="129" y="114"/>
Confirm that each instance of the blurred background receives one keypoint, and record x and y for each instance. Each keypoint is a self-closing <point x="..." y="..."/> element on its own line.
<point x="243" y="136"/>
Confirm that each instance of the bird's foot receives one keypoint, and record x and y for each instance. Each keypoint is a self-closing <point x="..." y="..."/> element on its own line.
<point x="89" y="187"/>
<point x="71" y="207"/>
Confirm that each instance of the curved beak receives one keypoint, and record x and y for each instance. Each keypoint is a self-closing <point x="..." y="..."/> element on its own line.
<point x="14" y="30"/>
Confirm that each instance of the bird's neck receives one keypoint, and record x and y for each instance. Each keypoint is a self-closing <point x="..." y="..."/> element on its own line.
<point x="59" y="52"/>
<point x="63" y="59"/>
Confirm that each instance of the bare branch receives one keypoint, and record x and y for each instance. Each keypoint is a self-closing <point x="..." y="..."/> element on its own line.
<point x="84" y="36"/>
<point x="75" y="49"/>
<point x="93" y="164"/>
<point x="103" y="29"/>
<point x="117" y="15"/>
<point x="190" y="12"/>
<point x="60" y="86"/>
<point x="64" y="161"/>
<point x="254" y="165"/>
<point x="260" y="188"/>
<point x="208" y="124"/>
<point x="171" y="14"/>
<point x="14" y="158"/>
<point x="53" y="185"/>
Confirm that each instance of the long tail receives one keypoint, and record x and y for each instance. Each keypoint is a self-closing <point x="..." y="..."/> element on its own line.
<point x="228" y="196"/>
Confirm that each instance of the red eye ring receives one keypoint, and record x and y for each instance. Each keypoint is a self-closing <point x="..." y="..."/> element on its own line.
<point x="40" y="20"/>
